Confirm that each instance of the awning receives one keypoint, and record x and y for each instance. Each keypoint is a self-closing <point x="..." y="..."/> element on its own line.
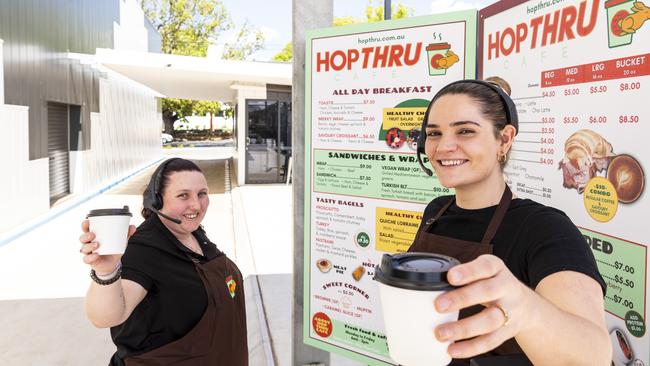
<point x="193" y="77"/>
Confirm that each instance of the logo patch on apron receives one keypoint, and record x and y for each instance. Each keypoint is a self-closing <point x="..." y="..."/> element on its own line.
<point x="232" y="285"/>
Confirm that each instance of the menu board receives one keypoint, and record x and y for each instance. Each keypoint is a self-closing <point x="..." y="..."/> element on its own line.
<point x="579" y="71"/>
<point x="367" y="89"/>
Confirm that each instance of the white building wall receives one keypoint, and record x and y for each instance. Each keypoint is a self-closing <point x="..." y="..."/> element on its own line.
<point x="124" y="135"/>
<point x="130" y="34"/>
<point x="24" y="184"/>
<point x="244" y="91"/>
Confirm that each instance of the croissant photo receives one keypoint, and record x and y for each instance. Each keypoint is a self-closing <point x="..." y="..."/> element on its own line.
<point x="585" y="153"/>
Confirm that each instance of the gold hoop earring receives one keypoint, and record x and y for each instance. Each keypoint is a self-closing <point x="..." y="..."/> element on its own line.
<point x="501" y="158"/>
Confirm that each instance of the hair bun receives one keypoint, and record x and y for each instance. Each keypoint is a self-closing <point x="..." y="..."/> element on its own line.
<point x="500" y="83"/>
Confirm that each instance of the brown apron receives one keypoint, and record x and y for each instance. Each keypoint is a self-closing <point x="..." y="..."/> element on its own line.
<point x="466" y="251"/>
<point x="219" y="338"/>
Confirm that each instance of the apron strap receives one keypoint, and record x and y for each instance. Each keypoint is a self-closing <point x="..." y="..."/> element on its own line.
<point x="498" y="216"/>
<point x="431" y="221"/>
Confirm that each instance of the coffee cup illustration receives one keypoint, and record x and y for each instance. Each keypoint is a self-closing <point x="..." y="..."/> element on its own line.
<point x="441" y="57"/>
<point x="617" y="10"/>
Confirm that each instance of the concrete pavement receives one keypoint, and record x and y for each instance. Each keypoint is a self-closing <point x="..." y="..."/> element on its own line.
<point x="43" y="280"/>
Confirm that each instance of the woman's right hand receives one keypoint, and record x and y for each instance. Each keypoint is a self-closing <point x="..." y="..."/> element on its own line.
<point x="102" y="264"/>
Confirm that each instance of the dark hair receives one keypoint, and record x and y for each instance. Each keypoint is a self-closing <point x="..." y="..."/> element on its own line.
<point x="491" y="105"/>
<point x="176" y="165"/>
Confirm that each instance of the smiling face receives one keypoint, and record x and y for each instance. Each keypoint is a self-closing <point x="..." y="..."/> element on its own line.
<point x="461" y="143"/>
<point x="186" y="198"/>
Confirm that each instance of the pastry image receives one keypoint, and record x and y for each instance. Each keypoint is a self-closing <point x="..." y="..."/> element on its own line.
<point x="324" y="265"/>
<point x="585" y="153"/>
<point x="346" y="302"/>
<point x="626" y="175"/>
<point x="358" y="273"/>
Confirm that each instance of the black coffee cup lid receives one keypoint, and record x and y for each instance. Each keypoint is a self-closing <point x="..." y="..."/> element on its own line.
<point x="416" y="271"/>
<point x="124" y="211"/>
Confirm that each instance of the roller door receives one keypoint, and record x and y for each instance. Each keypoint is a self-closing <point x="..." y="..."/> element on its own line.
<point x="58" y="150"/>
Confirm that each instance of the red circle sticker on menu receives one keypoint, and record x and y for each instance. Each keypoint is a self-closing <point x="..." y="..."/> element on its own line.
<point x="394" y="138"/>
<point x="322" y="324"/>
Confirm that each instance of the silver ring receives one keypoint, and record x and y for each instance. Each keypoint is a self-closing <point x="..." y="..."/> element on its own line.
<point x="506" y="314"/>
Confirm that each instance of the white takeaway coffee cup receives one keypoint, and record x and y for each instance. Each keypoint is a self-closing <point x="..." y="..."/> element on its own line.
<point x="111" y="228"/>
<point x="409" y="283"/>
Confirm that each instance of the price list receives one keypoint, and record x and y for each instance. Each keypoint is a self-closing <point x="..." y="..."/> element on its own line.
<point x="602" y="83"/>
<point x="582" y="102"/>
<point x="344" y="122"/>
<point x="380" y="175"/>
<point x="622" y="265"/>
<point x="534" y="150"/>
<point x="572" y="98"/>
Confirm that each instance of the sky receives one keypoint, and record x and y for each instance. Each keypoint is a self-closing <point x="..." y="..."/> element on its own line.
<point x="273" y="17"/>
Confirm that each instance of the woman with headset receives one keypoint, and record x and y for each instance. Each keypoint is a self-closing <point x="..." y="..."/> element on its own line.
<point x="173" y="297"/>
<point x="528" y="282"/>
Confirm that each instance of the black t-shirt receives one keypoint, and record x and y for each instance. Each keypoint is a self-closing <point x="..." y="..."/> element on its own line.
<point x="534" y="240"/>
<point x="176" y="298"/>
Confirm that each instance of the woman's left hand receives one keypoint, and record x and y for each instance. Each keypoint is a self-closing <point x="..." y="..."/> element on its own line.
<point x="486" y="281"/>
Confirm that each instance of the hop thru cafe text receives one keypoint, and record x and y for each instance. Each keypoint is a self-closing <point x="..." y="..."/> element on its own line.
<point x="561" y="25"/>
<point x="394" y="55"/>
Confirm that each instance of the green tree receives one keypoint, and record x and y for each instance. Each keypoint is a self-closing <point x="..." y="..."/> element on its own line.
<point x="338" y="21"/>
<point x="174" y="109"/>
<point x="247" y="41"/>
<point x="286" y="54"/>
<point x="204" y="107"/>
<point x="187" y="28"/>
<point x="375" y="13"/>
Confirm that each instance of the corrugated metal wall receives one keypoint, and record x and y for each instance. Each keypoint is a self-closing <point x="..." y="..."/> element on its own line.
<point x="58" y="147"/>
<point x="125" y="134"/>
<point x="37" y="36"/>
<point x="114" y="123"/>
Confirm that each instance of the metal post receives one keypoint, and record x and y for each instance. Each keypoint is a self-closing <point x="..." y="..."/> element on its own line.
<point x="2" y="77"/>
<point x="387" y="12"/>
<point x="307" y="14"/>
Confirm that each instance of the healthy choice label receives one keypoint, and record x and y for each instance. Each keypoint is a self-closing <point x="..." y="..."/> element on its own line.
<point x="623" y="267"/>
<point x="396" y="229"/>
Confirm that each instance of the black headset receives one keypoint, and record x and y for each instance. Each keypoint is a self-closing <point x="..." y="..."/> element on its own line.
<point x="511" y="114"/>
<point x="152" y="199"/>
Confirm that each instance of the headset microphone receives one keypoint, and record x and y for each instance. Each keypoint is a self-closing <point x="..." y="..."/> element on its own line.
<point x="423" y="167"/>
<point x="165" y="216"/>
<point x="422" y="139"/>
<point x="152" y="199"/>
